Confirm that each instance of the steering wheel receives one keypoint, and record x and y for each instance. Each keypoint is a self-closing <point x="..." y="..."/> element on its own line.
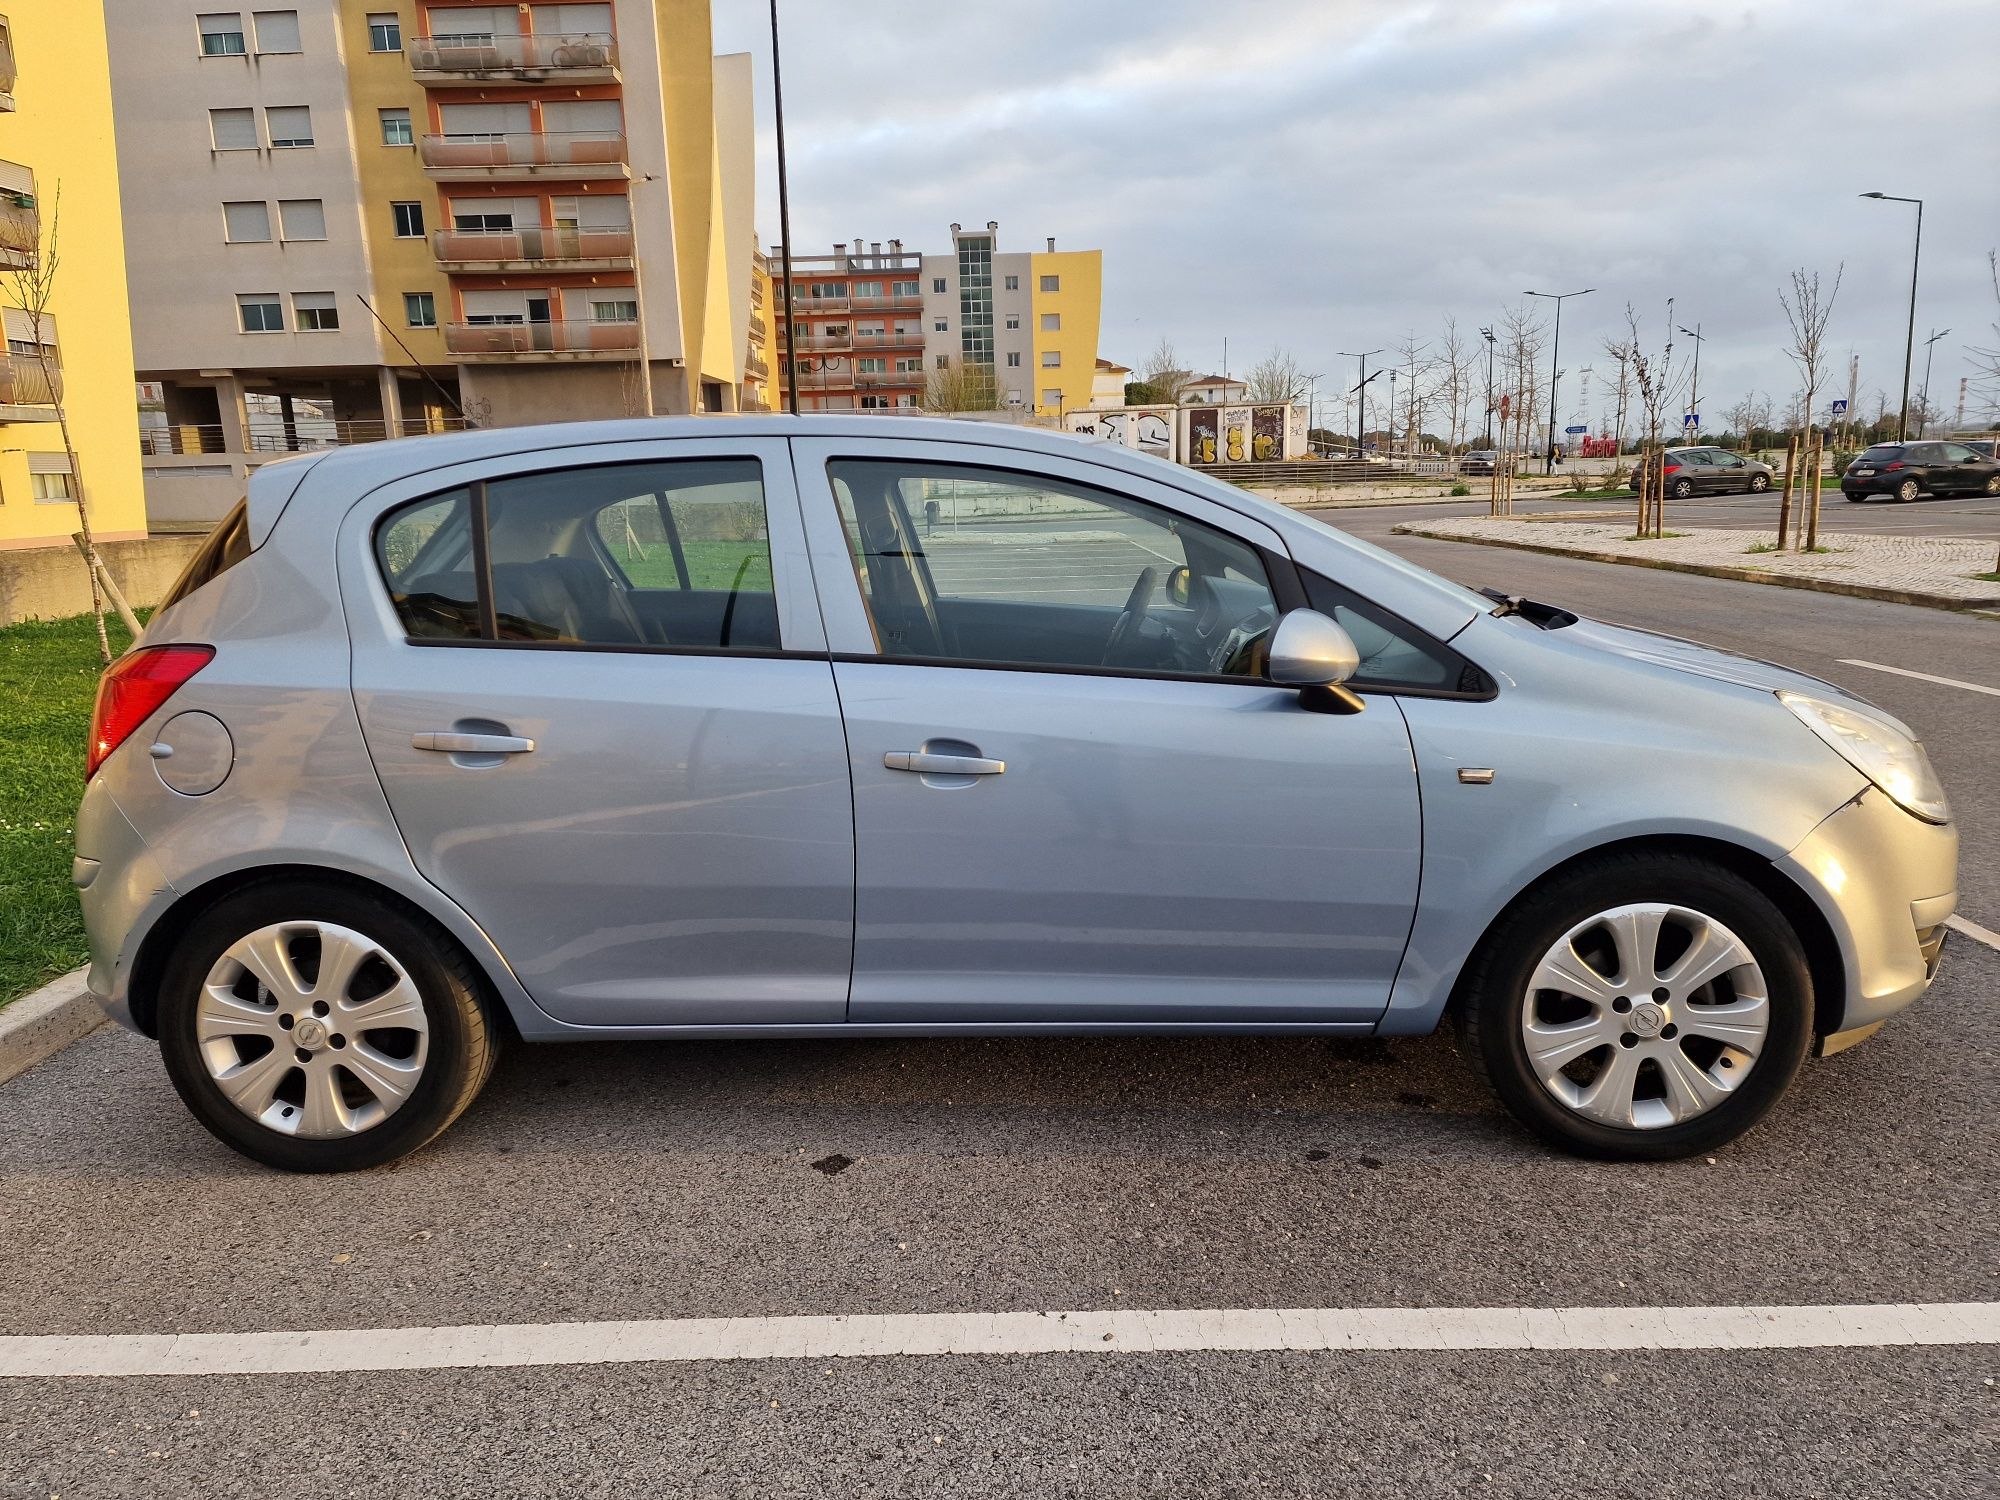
<point x="1137" y="603"/>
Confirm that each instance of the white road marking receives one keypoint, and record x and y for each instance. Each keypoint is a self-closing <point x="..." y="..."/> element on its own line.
<point x="1876" y="666"/>
<point x="1974" y="931"/>
<point x="1318" y="1330"/>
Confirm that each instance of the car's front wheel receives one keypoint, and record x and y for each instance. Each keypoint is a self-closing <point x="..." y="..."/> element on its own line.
<point x="1759" y="483"/>
<point x="1909" y="489"/>
<point x="1681" y="489"/>
<point x="317" y="1028"/>
<point x="1992" y="485"/>
<point x="1643" y="1007"/>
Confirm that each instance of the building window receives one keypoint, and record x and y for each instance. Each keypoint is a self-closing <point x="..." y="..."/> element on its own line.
<point x="943" y="325"/>
<point x="1052" y="396"/>
<point x="289" y="125"/>
<point x="396" y="130"/>
<point x="261" y="312"/>
<point x="1051" y="322"/>
<point x="222" y="34"/>
<point x="246" y="223"/>
<point x="872" y="366"/>
<point x="621" y="311"/>
<point x="1051" y="358"/>
<point x="302" y="218"/>
<point x="943" y="362"/>
<point x="409" y="220"/>
<point x="385" y="32"/>
<point x="277" y="31"/>
<point x="867" y="288"/>
<point x="937" y="284"/>
<point x="910" y="365"/>
<point x="420" y="309"/>
<point x="906" y="288"/>
<point x="1013" y="358"/>
<point x="233" y="129"/>
<point x="50" y="489"/>
<point x="1013" y="321"/>
<point x="315" y="312"/>
<point x="1052" y="283"/>
<point x="1013" y="283"/>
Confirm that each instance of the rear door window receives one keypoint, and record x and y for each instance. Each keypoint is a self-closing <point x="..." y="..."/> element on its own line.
<point x="221" y="550"/>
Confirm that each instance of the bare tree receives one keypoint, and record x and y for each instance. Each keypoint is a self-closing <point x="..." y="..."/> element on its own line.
<point x="1165" y="373"/>
<point x="1277" y="377"/>
<point x="1522" y="336"/>
<point x="1808" y="309"/>
<point x="1621" y="393"/>
<point x="1986" y="357"/>
<point x="1749" y="415"/>
<point x="34" y="286"/>
<point x="1454" y="365"/>
<point x="962" y="386"/>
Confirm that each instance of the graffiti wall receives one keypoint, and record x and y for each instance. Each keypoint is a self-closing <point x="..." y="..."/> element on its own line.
<point x="1200" y="435"/>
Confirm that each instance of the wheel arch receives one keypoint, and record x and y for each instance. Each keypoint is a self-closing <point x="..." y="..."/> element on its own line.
<point x="1822" y="949"/>
<point x="155" y="951"/>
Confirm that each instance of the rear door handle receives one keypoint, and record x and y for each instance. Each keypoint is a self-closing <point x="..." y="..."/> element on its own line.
<point x="472" y="744"/>
<point x="924" y="762"/>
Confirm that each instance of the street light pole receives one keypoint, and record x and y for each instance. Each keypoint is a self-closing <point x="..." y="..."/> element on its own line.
<point x="1360" y="397"/>
<point x="1910" y="335"/>
<point x="785" y="227"/>
<point x="1694" y="381"/>
<point x="1555" y="348"/>
<point x="1487" y="334"/>
<point x="1924" y="400"/>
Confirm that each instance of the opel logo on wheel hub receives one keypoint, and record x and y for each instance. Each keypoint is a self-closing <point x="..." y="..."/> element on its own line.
<point x="1647" y="1018"/>
<point x="310" y="1032"/>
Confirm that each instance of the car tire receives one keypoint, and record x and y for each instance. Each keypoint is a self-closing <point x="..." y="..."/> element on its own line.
<point x="1856" y="498"/>
<point x="1992" y="485"/>
<point x="380" y="1093"/>
<point x="1759" y="483"/>
<point x="1497" y="1005"/>
<point x="1908" y="490"/>
<point x="1682" y="489"/>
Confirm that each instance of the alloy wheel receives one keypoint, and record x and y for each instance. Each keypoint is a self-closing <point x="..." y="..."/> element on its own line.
<point x="1645" y="1016"/>
<point x="312" y="1029"/>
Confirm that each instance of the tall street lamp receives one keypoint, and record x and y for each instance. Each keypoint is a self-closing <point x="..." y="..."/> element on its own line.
<point x="1924" y="400"/>
<point x="1910" y="337"/>
<point x="1555" y="348"/>
<point x="1487" y="334"/>
<point x="784" y="226"/>
<point x="1361" y="408"/>
<point x="1694" y="381"/>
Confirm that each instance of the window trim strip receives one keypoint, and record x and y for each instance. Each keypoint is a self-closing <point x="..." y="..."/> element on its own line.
<point x="482" y="570"/>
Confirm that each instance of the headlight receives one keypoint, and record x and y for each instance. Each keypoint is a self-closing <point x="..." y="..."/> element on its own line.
<point x="1879" y="750"/>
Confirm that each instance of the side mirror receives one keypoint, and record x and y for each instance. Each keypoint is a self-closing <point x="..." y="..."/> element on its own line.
<point x="1313" y="654"/>
<point x="1180" y="587"/>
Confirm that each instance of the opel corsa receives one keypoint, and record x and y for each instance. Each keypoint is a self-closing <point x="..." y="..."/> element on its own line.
<point x="870" y="726"/>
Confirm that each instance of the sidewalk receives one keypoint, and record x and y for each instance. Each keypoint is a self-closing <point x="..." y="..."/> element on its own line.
<point x="1935" y="571"/>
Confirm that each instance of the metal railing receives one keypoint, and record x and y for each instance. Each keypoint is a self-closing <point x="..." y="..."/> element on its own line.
<point x="8" y="71"/>
<point x="912" y="300"/>
<point x="758" y="326"/>
<point x="525" y="148"/>
<point x="24" y="383"/>
<point x="482" y="52"/>
<point x="269" y="432"/>
<point x="821" y="340"/>
<point x="20" y="212"/>
<point x="532" y="242"/>
<point x="869" y="380"/>
<point x="570" y="336"/>
<point x="753" y="364"/>
<point x="819" y="304"/>
<point x="891" y="338"/>
<point x="182" y="438"/>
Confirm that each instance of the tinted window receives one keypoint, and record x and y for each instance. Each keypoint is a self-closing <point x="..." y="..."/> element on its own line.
<point x="982" y="565"/>
<point x="1882" y="453"/>
<point x="1957" y="453"/>
<point x="668" y="555"/>
<point x="221" y="550"/>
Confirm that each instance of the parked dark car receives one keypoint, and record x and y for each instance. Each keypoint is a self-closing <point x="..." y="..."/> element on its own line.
<point x="1691" y="471"/>
<point x="1907" y="470"/>
<point x="1479" y="462"/>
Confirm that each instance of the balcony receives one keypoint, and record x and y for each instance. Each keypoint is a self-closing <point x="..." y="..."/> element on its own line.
<point x="525" y="343"/>
<point x="20" y="218"/>
<point x="271" y="434"/>
<point x="875" y="380"/>
<point x="803" y="304"/>
<point x="913" y="302"/>
<point x="810" y="340"/>
<point x="7" y="69"/>
<point x="890" y="339"/>
<point x="534" y="247"/>
<point x="24" y="385"/>
<point x="755" y="367"/>
<point x="576" y="155"/>
<point x="491" y="58"/>
<point x="758" y="327"/>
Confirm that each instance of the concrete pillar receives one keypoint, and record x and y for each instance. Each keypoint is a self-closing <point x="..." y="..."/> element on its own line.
<point x="234" y="413"/>
<point x="392" y="401"/>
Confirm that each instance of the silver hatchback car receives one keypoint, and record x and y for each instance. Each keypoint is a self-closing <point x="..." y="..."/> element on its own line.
<point x="840" y="727"/>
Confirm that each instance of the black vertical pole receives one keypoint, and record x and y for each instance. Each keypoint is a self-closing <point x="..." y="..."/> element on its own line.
<point x="1910" y="338"/>
<point x="784" y="226"/>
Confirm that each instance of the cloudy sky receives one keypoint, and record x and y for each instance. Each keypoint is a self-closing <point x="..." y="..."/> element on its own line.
<point x="1330" y="175"/>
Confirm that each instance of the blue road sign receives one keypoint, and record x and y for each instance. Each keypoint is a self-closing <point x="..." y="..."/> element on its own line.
<point x="1692" y="419"/>
<point x="1573" y="431"/>
<point x="1839" y="407"/>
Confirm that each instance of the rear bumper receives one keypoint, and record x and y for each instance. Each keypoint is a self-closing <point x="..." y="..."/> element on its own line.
<point x="1885" y="881"/>
<point x="117" y="879"/>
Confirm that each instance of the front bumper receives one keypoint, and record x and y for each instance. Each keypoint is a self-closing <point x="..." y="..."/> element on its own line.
<point x="1886" y="881"/>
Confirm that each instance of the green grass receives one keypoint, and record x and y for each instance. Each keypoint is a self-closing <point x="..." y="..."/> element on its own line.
<point x="1987" y="577"/>
<point x="1764" y="547"/>
<point x="48" y="677"/>
<point x="711" y="565"/>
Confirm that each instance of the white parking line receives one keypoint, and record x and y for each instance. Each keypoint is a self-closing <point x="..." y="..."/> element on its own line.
<point x="1974" y="931"/>
<point x="1876" y="666"/>
<point x="1319" y="1330"/>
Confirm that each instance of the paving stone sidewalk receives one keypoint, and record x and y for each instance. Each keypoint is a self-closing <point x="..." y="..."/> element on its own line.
<point x="1932" y="570"/>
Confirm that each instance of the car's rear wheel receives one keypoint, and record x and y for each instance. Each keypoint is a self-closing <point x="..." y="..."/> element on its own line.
<point x="1759" y="483"/>
<point x="1909" y="489"/>
<point x="317" y="1028"/>
<point x="1681" y="489"/>
<point x="1992" y="486"/>
<point x="1641" y="1007"/>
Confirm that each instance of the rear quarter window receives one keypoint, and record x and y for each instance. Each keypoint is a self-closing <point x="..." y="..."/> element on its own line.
<point x="221" y="550"/>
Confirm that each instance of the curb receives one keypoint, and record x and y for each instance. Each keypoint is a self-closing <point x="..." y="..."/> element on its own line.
<point x="41" y="1024"/>
<point x="1739" y="575"/>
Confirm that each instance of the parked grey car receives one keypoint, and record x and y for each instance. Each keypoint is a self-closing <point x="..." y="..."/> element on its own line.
<point x="865" y="727"/>
<point x="1714" y="471"/>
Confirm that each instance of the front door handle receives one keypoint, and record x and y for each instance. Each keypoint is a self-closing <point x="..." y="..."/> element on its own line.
<point x="472" y="744"/>
<point x="924" y="762"/>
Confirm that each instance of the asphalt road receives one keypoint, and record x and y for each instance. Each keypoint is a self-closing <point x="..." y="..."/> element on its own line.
<point x="667" y="1181"/>
<point x="1978" y="517"/>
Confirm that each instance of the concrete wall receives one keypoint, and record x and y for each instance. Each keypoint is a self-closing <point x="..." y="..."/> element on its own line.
<point x="49" y="583"/>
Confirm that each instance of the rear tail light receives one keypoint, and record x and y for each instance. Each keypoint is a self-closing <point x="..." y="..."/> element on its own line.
<point x="131" y="688"/>
<point x="1896" y="465"/>
<point x="1671" y="469"/>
